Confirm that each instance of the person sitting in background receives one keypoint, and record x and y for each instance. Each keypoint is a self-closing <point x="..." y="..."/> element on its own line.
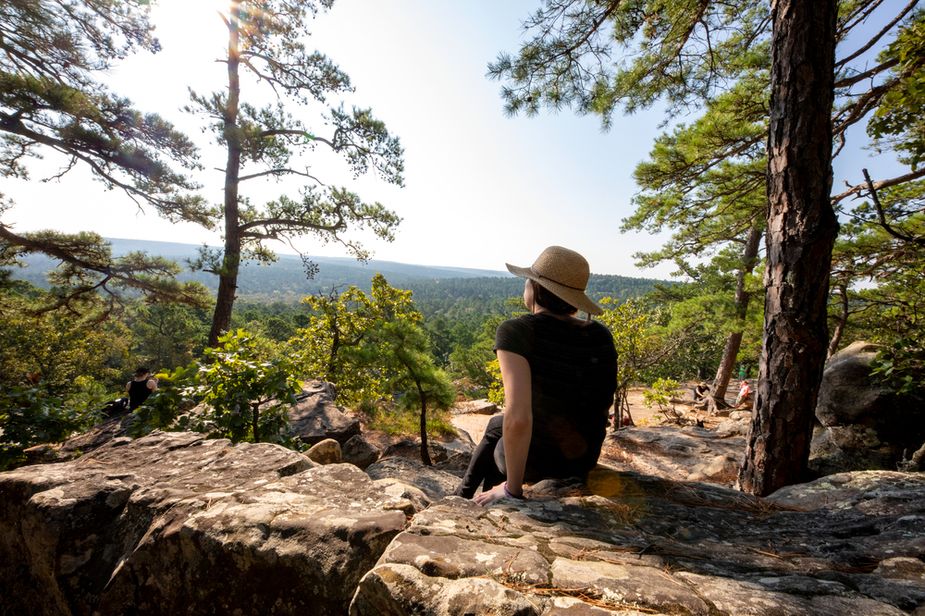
<point x="559" y="374"/>
<point x="701" y="391"/>
<point x="745" y="394"/>
<point x="140" y="387"/>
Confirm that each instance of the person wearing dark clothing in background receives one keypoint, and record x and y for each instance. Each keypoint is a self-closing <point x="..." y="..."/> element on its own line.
<point x="559" y="375"/>
<point x="140" y="387"/>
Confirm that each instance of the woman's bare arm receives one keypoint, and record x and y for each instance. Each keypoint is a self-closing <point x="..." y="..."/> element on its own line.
<point x="518" y="424"/>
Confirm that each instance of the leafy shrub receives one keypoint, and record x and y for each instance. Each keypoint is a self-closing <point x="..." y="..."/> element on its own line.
<point x="247" y="389"/>
<point x="660" y="395"/>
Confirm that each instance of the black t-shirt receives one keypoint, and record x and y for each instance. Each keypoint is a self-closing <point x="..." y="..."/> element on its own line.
<point x="138" y="392"/>
<point x="573" y="369"/>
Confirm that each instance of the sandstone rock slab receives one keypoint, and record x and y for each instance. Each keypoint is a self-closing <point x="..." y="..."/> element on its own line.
<point x="433" y="482"/>
<point x="176" y="523"/>
<point x="629" y="542"/>
<point x="477" y="407"/>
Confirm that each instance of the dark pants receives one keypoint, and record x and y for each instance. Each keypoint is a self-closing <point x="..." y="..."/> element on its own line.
<point x="487" y="465"/>
<point x="482" y="467"/>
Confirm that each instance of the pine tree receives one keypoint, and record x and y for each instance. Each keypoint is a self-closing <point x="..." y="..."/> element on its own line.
<point x="52" y="102"/>
<point x="267" y="47"/>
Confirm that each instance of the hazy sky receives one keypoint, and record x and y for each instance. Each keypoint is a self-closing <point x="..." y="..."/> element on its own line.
<point x="481" y="188"/>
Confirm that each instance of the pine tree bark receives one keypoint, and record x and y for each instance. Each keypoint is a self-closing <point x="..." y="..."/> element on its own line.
<point x="228" y="274"/>
<point x="800" y="234"/>
<point x="742" y="298"/>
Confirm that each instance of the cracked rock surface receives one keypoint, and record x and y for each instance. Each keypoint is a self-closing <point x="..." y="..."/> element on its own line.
<point x="174" y="523"/>
<point x="848" y="544"/>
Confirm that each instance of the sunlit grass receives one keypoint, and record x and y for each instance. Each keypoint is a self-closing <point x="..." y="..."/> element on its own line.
<point x="398" y="422"/>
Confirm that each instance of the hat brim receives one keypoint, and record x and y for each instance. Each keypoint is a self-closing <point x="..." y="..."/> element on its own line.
<point x="572" y="296"/>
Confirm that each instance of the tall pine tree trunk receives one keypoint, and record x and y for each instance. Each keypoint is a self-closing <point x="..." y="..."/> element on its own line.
<point x="800" y="235"/>
<point x="228" y="275"/>
<point x="734" y="340"/>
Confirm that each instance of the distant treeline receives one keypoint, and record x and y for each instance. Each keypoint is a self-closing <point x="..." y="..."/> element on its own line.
<point x="452" y="297"/>
<point x="437" y="290"/>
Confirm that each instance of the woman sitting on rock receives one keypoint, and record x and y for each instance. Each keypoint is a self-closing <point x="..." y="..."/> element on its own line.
<point x="559" y="374"/>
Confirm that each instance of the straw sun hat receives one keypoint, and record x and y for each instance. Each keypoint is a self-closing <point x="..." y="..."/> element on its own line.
<point x="562" y="271"/>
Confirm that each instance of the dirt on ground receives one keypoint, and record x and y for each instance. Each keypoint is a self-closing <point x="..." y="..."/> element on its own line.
<point x="642" y="415"/>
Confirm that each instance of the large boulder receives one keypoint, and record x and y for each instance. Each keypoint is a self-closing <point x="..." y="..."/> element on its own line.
<point x="359" y="452"/>
<point x="325" y="452"/>
<point x="631" y="544"/>
<point x="174" y="523"/>
<point x="316" y="417"/>
<point x="862" y="424"/>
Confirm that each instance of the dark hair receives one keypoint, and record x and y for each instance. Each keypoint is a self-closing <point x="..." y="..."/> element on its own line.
<point x="550" y="301"/>
<point x="141" y="371"/>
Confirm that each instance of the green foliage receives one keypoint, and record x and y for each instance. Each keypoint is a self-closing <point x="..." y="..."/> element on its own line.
<point x="637" y="344"/>
<point x="898" y="120"/>
<point x="901" y="365"/>
<point x="374" y="348"/>
<point x="598" y="56"/>
<point x="50" y="100"/>
<point x="495" y="393"/>
<point x="407" y="366"/>
<point x="247" y="388"/>
<point x="53" y="348"/>
<point x="404" y="422"/>
<point x="635" y="335"/>
<point x="705" y="180"/>
<point x="166" y="336"/>
<point x="880" y="273"/>
<point x="473" y="361"/>
<point x="55" y="373"/>
<point x="29" y="415"/>
<point x="338" y="343"/>
<point x="660" y="394"/>
<point x="88" y="275"/>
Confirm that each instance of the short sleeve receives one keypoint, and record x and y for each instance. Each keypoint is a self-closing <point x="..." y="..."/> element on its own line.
<point x="515" y="336"/>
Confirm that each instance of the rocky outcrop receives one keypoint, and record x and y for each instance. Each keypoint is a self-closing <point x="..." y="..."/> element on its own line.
<point x="80" y="444"/>
<point x="316" y="417"/>
<point x="176" y="523"/>
<point x="863" y="425"/>
<point x="681" y="454"/>
<point x="634" y="544"/>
